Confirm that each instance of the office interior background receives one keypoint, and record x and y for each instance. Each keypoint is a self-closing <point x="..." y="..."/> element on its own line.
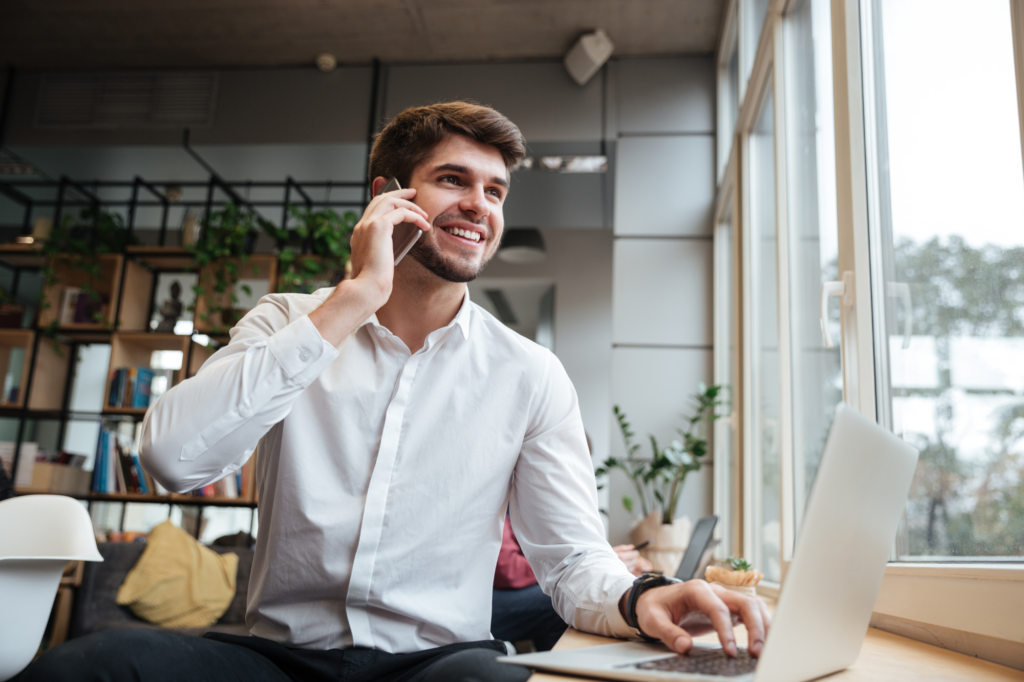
<point x="804" y="201"/>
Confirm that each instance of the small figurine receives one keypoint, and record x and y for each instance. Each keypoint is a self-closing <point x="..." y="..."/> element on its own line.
<point x="171" y="309"/>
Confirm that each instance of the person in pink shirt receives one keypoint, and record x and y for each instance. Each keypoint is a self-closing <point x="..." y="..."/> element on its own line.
<point x="519" y="608"/>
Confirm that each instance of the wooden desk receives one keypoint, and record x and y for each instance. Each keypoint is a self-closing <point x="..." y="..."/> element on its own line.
<point x="884" y="656"/>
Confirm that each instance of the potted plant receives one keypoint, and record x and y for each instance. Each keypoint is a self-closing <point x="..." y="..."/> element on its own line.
<point x="658" y="480"/>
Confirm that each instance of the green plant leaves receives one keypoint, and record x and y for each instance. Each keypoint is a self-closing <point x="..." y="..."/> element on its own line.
<point x="659" y="480"/>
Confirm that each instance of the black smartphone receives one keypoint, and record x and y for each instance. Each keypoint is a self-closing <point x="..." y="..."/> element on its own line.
<point x="405" y="234"/>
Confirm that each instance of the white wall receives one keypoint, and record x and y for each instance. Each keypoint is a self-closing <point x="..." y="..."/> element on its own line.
<point x="662" y="286"/>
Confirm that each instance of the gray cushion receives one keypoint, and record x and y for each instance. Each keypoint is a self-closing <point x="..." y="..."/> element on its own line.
<point x="95" y="601"/>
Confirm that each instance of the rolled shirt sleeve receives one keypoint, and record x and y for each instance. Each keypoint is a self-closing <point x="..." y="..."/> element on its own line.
<point x="553" y="508"/>
<point x="208" y="426"/>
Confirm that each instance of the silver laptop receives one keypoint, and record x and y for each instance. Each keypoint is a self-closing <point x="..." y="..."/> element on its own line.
<point x="823" y="612"/>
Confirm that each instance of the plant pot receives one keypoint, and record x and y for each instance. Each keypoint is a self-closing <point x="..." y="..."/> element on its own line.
<point x="748" y="591"/>
<point x="670" y="540"/>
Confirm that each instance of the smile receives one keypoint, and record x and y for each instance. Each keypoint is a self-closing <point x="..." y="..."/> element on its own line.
<point x="465" y="234"/>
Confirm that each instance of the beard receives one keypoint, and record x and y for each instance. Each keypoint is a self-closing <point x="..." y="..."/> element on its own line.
<point x="430" y="256"/>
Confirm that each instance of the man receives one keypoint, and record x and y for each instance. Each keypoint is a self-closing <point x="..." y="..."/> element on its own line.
<point x="395" y="422"/>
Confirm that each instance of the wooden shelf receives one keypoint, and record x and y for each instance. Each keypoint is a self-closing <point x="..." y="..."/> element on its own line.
<point x="135" y="349"/>
<point x="68" y="275"/>
<point x="140" y="411"/>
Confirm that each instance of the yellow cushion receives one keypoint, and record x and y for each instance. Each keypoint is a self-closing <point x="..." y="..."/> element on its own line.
<point x="179" y="583"/>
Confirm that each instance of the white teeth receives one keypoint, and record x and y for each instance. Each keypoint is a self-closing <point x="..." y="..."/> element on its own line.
<point x="466" y="234"/>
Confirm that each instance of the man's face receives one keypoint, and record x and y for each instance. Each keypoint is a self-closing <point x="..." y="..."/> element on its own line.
<point x="462" y="187"/>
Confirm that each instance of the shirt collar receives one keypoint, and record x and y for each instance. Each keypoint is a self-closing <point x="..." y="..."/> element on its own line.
<point x="461" y="317"/>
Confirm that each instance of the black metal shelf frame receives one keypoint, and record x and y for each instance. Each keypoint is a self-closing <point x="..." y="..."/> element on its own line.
<point x="71" y="193"/>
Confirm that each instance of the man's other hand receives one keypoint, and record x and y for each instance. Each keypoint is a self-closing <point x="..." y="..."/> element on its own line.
<point x="636" y="564"/>
<point x="677" y="613"/>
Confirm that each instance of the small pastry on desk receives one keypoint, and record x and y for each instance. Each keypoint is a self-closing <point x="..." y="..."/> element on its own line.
<point x="736" y="575"/>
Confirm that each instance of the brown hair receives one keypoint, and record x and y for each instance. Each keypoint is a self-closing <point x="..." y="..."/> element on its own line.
<point x="410" y="137"/>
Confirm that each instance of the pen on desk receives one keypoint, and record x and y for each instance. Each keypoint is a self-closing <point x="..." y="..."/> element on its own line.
<point x="643" y="544"/>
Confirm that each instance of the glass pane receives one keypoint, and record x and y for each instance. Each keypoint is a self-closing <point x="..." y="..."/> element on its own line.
<point x="754" y="12"/>
<point x="950" y="207"/>
<point x="813" y="236"/>
<point x="764" y="301"/>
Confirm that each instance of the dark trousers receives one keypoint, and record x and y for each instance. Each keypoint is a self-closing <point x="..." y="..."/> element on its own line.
<point x="525" y="613"/>
<point x="154" y="656"/>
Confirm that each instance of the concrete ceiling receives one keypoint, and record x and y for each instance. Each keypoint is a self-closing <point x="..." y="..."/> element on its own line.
<point x="72" y="34"/>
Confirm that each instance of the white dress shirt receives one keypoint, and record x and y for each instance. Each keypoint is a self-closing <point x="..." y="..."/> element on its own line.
<point x="384" y="476"/>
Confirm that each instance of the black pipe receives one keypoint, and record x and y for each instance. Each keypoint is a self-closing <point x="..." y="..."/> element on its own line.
<point x="5" y="111"/>
<point x="227" y="189"/>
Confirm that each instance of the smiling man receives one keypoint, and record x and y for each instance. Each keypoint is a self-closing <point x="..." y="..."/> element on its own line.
<point x="395" y="422"/>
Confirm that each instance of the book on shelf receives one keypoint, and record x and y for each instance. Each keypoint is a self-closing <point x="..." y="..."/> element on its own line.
<point x="118" y="469"/>
<point x="130" y="387"/>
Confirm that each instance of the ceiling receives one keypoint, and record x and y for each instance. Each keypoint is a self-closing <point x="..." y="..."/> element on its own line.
<point x="72" y="34"/>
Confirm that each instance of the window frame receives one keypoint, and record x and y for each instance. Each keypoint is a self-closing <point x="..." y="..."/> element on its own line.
<point x="926" y="601"/>
<point x="917" y="600"/>
<point x="725" y="132"/>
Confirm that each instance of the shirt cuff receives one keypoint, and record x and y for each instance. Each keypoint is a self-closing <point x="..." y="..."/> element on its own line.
<point x="301" y="351"/>
<point x="616" y="623"/>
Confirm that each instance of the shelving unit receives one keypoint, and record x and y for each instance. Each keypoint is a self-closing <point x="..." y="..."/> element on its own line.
<point x="127" y="282"/>
<point x="39" y="390"/>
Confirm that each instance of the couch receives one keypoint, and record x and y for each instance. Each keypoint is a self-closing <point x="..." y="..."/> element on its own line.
<point x="96" y="607"/>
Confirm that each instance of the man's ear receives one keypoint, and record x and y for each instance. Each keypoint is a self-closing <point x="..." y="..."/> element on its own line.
<point x="378" y="182"/>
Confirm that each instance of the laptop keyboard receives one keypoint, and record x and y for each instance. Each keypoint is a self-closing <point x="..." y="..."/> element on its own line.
<point x="705" y="662"/>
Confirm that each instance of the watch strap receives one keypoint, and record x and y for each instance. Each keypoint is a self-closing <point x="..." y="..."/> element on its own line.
<point x="641" y="585"/>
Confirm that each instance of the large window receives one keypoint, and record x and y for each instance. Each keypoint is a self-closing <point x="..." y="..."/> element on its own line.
<point x="880" y="161"/>
<point x="813" y="242"/>
<point x="947" y="231"/>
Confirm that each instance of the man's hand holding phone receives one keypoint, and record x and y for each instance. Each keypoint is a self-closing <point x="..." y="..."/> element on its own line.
<point x="373" y="265"/>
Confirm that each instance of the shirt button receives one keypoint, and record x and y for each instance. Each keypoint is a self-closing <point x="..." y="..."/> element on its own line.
<point x="244" y="410"/>
<point x="304" y="356"/>
<point x="381" y="333"/>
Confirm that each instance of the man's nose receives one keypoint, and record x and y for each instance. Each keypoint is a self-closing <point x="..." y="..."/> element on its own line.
<point x="475" y="202"/>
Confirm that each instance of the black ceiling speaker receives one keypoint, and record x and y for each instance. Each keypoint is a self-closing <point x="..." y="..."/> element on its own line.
<point x="522" y="245"/>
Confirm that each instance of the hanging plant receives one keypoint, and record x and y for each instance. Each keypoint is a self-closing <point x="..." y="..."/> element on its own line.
<point x="327" y="235"/>
<point x="227" y="238"/>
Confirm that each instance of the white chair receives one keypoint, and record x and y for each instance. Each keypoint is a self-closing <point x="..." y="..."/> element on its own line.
<point x="39" y="534"/>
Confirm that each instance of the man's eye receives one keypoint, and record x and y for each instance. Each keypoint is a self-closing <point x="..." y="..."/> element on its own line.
<point x="449" y="178"/>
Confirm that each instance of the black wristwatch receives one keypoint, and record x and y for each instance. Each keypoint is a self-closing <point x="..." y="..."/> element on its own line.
<point x="641" y="585"/>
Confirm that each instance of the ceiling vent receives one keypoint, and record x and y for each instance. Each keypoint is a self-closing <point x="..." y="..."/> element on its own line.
<point x="125" y="101"/>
